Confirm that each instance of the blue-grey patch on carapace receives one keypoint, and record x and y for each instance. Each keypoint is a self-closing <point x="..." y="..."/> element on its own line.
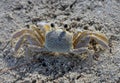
<point x="58" y="41"/>
<point x="62" y="34"/>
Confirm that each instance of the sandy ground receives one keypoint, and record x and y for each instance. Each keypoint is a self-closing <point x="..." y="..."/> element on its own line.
<point x="100" y="15"/>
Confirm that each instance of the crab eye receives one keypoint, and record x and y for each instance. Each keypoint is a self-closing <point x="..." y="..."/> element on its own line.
<point x="52" y="25"/>
<point x="66" y="27"/>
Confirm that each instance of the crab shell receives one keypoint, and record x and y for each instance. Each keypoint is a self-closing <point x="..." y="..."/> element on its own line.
<point x="59" y="41"/>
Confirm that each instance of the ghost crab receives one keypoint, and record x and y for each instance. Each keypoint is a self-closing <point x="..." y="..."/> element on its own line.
<point x="51" y="38"/>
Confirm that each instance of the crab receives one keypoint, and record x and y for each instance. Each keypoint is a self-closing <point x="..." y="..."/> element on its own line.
<point x="51" y="38"/>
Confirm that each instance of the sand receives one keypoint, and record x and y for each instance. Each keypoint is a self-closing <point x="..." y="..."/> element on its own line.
<point x="99" y="15"/>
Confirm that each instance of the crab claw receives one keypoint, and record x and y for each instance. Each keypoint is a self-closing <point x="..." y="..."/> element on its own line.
<point x="44" y="26"/>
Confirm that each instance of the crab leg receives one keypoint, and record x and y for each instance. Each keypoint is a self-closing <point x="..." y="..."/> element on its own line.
<point x="37" y="48"/>
<point x="100" y="39"/>
<point x="21" y="32"/>
<point x="38" y="34"/>
<point x="84" y="50"/>
<point x="83" y="42"/>
<point x="31" y="40"/>
<point x="80" y="50"/>
<point x="83" y="38"/>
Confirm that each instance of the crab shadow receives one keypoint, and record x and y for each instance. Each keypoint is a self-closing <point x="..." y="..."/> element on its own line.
<point x="46" y="64"/>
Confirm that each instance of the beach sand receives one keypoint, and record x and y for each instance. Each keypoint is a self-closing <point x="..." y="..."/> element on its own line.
<point x="99" y="15"/>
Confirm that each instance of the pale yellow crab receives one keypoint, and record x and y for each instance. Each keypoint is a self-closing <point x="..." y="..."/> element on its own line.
<point x="50" y="38"/>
